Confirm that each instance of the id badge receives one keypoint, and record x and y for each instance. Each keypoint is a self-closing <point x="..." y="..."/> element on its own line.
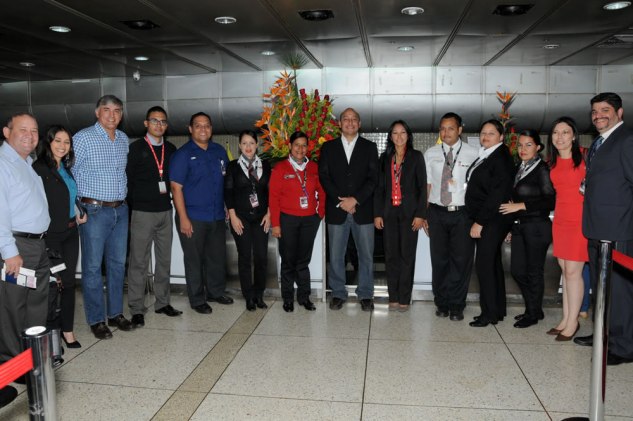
<point x="162" y="187"/>
<point x="303" y="202"/>
<point x="582" y="187"/>
<point x="452" y="186"/>
<point x="253" y="199"/>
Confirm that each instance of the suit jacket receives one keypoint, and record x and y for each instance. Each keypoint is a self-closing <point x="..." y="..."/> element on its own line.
<point x="238" y="188"/>
<point x="537" y="192"/>
<point x="608" y="205"/>
<point x="413" y="186"/>
<point x="489" y="186"/>
<point x="57" y="195"/>
<point x="358" y="178"/>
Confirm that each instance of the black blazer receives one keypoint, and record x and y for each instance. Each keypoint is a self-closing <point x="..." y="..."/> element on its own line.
<point x="490" y="185"/>
<point x="238" y="187"/>
<point x="359" y="179"/>
<point x="413" y="186"/>
<point x="57" y="195"/>
<point x="608" y="205"/>
<point x="537" y="192"/>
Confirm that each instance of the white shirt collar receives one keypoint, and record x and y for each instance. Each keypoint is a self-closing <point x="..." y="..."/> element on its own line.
<point x="606" y="134"/>
<point x="485" y="153"/>
<point x="296" y="166"/>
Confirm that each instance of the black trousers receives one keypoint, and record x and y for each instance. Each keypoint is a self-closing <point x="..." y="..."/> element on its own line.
<point x="204" y="256"/>
<point x="530" y="242"/>
<point x="400" y="246"/>
<point x="621" y="315"/>
<point x="66" y="245"/>
<point x="452" y="254"/>
<point x="492" y="293"/>
<point x="295" y="248"/>
<point x="251" y="245"/>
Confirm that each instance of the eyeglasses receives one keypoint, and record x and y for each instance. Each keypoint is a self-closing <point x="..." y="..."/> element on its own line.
<point x="156" y="122"/>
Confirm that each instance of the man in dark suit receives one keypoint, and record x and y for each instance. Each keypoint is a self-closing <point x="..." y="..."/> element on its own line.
<point x="348" y="171"/>
<point x="608" y="215"/>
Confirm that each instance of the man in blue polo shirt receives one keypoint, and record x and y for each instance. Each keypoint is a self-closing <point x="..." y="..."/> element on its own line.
<point x="100" y="159"/>
<point x="197" y="183"/>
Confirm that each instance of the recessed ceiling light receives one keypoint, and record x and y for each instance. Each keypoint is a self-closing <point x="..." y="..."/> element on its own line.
<point x="60" y="29"/>
<point x="551" y="46"/>
<point x="406" y="48"/>
<point x="412" y="11"/>
<point x="512" y="9"/>
<point x="316" y="15"/>
<point x="225" y="20"/>
<point x="26" y="64"/>
<point x="268" y="53"/>
<point x="616" y="5"/>
<point x="140" y="24"/>
<point x="141" y="58"/>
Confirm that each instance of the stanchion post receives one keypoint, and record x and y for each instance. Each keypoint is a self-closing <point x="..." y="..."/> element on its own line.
<point x="40" y="382"/>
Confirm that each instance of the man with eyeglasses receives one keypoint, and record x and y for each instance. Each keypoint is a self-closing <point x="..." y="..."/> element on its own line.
<point x="150" y="200"/>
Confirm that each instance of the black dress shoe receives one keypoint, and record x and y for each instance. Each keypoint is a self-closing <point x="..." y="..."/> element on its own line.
<point x="456" y="316"/>
<point x="584" y="340"/>
<point x="525" y="321"/>
<point x="7" y="395"/>
<point x="101" y="331"/>
<point x="336" y="303"/>
<point x="518" y="317"/>
<point x="289" y="306"/>
<point x="203" y="308"/>
<point x="480" y="317"/>
<point x="250" y="305"/>
<point x="75" y="344"/>
<point x="613" y="359"/>
<point x="222" y="299"/>
<point x="442" y="313"/>
<point x="169" y="311"/>
<point x="367" y="304"/>
<point x="259" y="302"/>
<point x="308" y="305"/>
<point x="121" y="322"/>
<point x="481" y="322"/>
<point x="138" y="320"/>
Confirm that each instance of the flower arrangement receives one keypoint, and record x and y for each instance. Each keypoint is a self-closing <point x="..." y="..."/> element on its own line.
<point x="511" y="137"/>
<point x="289" y="110"/>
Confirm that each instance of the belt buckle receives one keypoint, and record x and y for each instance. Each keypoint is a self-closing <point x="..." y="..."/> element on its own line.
<point x="451" y="208"/>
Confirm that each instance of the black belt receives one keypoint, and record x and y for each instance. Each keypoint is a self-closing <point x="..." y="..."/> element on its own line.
<point x="28" y="235"/>
<point x="531" y="219"/>
<point x="448" y="208"/>
<point x="90" y="201"/>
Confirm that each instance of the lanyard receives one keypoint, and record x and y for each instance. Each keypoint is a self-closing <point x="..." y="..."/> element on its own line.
<point x="305" y="178"/>
<point x="162" y="156"/>
<point x="473" y="166"/>
<point x="452" y="165"/>
<point x="396" y="170"/>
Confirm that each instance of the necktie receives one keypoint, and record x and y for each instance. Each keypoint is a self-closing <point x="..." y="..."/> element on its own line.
<point x="594" y="148"/>
<point x="446" y="197"/>
<point x="252" y="173"/>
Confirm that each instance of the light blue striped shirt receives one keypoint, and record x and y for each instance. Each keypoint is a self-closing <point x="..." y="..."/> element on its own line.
<point x="23" y="204"/>
<point x="99" y="167"/>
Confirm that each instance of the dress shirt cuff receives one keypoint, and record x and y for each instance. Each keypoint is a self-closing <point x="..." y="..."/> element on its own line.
<point x="9" y="250"/>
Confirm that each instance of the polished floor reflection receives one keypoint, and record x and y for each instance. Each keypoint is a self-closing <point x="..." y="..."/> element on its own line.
<point x="325" y="365"/>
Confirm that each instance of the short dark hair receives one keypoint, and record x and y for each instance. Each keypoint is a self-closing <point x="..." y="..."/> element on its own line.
<point x="297" y="135"/>
<point x="552" y="152"/>
<point x="391" y="147"/>
<point x="349" y="109"/>
<point x="46" y="154"/>
<point x="109" y="99"/>
<point x="610" y="98"/>
<point x="454" y="116"/>
<point x="494" y="122"/>
<point x="16" y="115"/>
<point x="199" y="114"/>
<point x="155" y="109"/>
<point x="532" y="134"/>
<point x="247" y="132"/>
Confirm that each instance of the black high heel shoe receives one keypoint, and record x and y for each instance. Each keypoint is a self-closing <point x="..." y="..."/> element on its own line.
<point x="250" y="305"/>
<point x="259" y="302"/>
<point x="289" y="306"/>
<point x="75" y="344"/>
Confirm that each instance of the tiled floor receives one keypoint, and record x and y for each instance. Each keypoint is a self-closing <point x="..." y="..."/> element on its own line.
<point x="323" y="365"/>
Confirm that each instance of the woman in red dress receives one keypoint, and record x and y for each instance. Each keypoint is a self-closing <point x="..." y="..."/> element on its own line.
<point x="570" y="246"/>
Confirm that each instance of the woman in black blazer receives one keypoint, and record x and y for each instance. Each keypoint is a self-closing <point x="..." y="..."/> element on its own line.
<point x="62" y="239"/>
<point x="489" y="184"/>
<point x="399" y="208"/>
<point x="533" y="197"/>
<point x="246" y="198"/>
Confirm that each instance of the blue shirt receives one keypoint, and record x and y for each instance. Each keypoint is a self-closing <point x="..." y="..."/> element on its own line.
<point x="201" y="174"/>
<point x="99" y="167"/>
<point x="72" y="188"/>
<point x="23" y="204"/>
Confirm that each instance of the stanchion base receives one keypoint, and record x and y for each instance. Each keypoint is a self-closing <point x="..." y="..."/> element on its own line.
<point x="576" y="419"/>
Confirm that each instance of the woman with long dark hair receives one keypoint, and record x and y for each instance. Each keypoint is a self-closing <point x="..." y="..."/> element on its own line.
<point x="53" y="165"/>
<point x="567" y="171"/>
<point x="533" y="198"/>
<point x="400" y="209"/>
<point x="489" y="184"/>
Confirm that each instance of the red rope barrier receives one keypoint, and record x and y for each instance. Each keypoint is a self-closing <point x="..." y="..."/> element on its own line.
<point x="623" y="259"/>
<point x="15" y="367"/>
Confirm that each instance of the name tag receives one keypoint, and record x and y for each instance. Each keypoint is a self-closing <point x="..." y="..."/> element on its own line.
<point x="253" y="199"/>
<point x="452" y="186"/>
<point x="162" y="187"/>
<point x="303" y="202"/>
<point x="58" y="268"/>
